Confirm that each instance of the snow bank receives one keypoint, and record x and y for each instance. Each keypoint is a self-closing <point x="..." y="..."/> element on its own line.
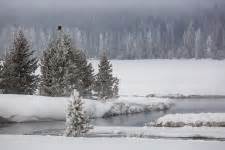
<point x="21" y="108"/>
<point x="195" y="120"/>
<point x="129" y="105"/>
<point x="24" y="142"/>
<point x="187" y="77"/>
<point x="182" y="96"/>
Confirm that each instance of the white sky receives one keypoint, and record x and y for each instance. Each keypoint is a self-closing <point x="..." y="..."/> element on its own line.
<point x="65" y="4"/>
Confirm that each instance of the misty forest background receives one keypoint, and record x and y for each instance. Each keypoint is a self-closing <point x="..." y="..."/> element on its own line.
<point x="176" y="32"/>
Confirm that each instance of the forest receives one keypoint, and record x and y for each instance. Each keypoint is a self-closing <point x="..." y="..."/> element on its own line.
<point x="196" y="32"/>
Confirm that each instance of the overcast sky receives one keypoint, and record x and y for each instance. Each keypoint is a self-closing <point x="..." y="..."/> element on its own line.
<point x="70" y="4"/>
<point x="17" y="11"/>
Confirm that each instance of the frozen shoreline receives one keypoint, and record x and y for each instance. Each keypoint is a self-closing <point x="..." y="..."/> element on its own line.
<point x="23" y="108"/>
<point x="191" y="119"/>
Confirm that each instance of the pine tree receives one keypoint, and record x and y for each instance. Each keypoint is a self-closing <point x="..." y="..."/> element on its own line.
<point x="65" y="68"/>
<point x="85" y="75"/>
<point x="198" y="44"/>
<point x="106" y="85"/>
<point x="72" y="73"/>
<point x="210" y="47"/>
<point x="54" y="68"/>
<point x="189" y="40"/>
<point x="19" y="67"/>
<point x="77" y="122"/>
<point x="80" y="72"/>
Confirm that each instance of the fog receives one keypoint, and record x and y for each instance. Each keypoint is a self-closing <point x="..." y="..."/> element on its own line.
<point x="15" y="6"/>
<point x="130" y="29"/>
<point x="49" y="11"/>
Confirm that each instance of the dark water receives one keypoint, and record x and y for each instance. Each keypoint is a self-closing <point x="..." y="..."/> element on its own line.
<point x="180" y="106"/>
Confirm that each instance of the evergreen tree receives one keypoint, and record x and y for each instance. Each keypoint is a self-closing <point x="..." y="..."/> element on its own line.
<point x="198" y="44"/>
<point x="210" y="47"/>
<point x="19" y="67"/>
<point x="85" y="75"/>
<point x="53" y="68"/>
<point x="106" y="85"/>
<point x="72" y="73"/>
<point x="65" y="68"/>
<point x="189" y="40"/>
<point x="80" y="72"/>
<point x="77" y="122"/>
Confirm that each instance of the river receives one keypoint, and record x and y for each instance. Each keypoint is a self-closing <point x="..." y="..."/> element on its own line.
<point x="193" y="105"/>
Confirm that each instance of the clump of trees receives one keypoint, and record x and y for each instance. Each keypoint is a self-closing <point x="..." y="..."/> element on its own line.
<point x="63" y="69"/>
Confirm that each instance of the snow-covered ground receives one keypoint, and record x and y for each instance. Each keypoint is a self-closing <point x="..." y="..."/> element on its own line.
<point x="161" y="132"/>
<point x="22" y="142"/>
<point x="163" y="77"/>
<point x="172" y="78"/>
<point x="21" y="108"/>
<point x="195" y="120"/>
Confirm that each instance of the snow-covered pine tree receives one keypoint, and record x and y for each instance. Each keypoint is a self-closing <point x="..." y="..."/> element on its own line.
<point x="77" y="121"/>
<point x="54" y="68"/>
<point x="65" y="68"/>
<point x="85" y="78"/>
<point x="80" y="72"/>
<point x="210" y="47"/>
<point x="72" y="73"/>
<point x="19" y="66"/>
<point x="198" y="44"/>
<point x="106" y="85"/>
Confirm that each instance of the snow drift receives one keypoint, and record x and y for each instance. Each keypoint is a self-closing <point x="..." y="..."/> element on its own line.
<point x="194" y="120"/>
<point x="22" y="108"/>
<point x="31" y="142"/>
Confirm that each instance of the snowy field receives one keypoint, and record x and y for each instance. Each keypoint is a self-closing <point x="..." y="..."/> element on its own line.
<point x="187" y="77"/>
<point x="194" y="120"/>
<point x="22" y="108"/>
<point x="21" y="142"/>
<point x="137" y="77"/>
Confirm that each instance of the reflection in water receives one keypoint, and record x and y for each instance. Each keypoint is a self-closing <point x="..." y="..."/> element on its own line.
<point x="129" y="120"/>
<point x="28" y="128"/>
<point x="181" y="106"/>
<point x="198" y="106"/>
